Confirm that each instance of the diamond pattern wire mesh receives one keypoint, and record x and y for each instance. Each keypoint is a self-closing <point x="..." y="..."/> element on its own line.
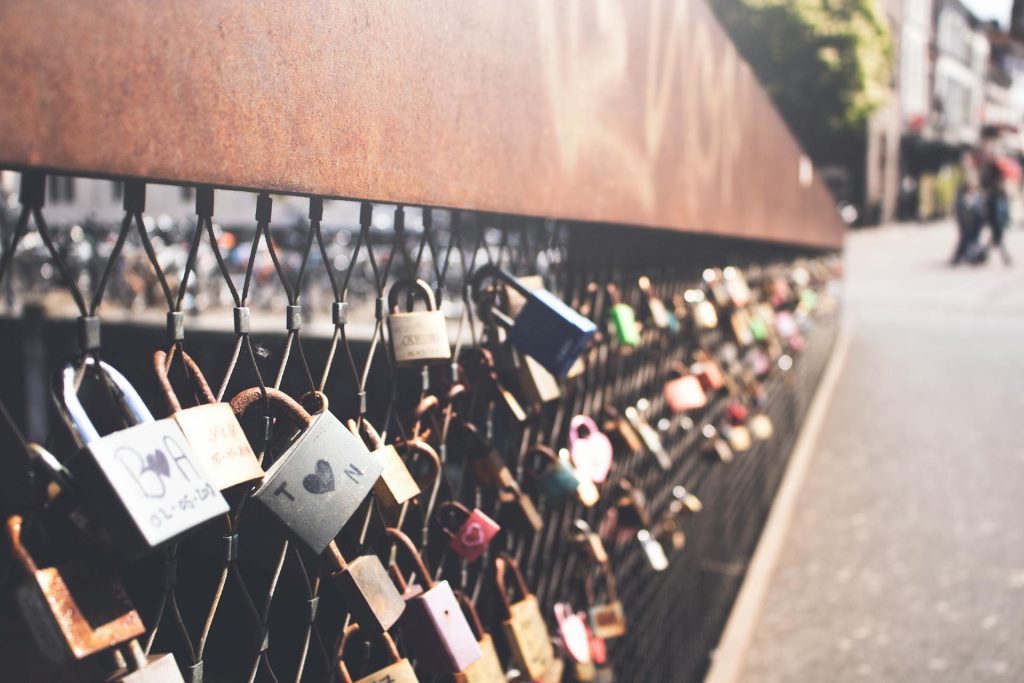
<point x="234" y="602"/>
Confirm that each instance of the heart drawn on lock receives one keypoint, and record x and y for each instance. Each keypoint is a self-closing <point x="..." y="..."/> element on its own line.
<point x="472" y="535"/>
<point x="157" y="463"/>
<point x="321" y="481"/>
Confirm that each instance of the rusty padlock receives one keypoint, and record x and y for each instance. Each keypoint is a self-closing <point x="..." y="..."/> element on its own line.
<point x="417" y="337"/>
<point x="474" y="532"/>
<point x="488" y="668"/>
<point x="440" y="639"/>
<point x="523" y="623"/>
<point x="211" y="429"/>
<point x="74" y="610"/>
<point x="396" y="484"/>
<point x="607" y="619"/>
<point x="399" y="671"/>
<point x="324" y="474"/>
<point x="367" y="590"/>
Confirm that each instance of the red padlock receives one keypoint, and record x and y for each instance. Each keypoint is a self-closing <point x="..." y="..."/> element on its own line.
<point x="736" y="413"/>
<point x="708" y="371"/>
<point x="473" y="535"/>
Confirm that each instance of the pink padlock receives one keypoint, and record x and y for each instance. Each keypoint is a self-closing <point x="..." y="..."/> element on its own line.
<point x="473" y="535"/>
<point x="786" y="325"/>
<point x="684" y="392"/>
<point x="573" y="632"/>
<point x="589" y="449"/>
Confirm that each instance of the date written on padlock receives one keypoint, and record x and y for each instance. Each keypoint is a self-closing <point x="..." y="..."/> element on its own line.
<point x="325" y="473"/>
<point x="144" y="483"/>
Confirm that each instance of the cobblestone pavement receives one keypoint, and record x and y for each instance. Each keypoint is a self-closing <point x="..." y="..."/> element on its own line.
<point x="905" y="560"/>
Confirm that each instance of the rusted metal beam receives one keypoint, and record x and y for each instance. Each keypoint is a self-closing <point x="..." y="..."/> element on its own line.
<point x="615" y="111"/>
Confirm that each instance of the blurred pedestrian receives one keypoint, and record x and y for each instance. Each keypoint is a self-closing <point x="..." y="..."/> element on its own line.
<point x="970" y="216"/>
<point x="997" y="207"/>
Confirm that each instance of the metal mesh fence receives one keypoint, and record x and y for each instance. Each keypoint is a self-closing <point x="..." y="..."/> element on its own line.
<point x="299" y="304"/>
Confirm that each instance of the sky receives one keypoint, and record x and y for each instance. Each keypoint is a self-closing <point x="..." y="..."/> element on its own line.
<point x="991" y="9"/>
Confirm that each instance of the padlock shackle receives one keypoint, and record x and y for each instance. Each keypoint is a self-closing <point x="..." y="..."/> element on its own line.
<point x="469" y="609"/>
<point x="414" y="285"/>
<point x="245" y="399"/>
<point x="199" y="383"/>
<point x="446" y="505"/>
<point x="14" y="525"/>
<point x="346" y="677"/>
<point x="417" y="445"/>
<point x="502" y="561"/>
<point x="70" y="406"/>
<point x="403" y="540"/>
<point x="584" y="421"/>
<point x="605" y="569"/>
<point x="545" y="452"/>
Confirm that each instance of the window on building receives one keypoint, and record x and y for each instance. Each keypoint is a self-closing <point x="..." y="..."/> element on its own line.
<point x="187" y="193"/>
<point x="61" y="189"/>
<point x="116" y="190"/>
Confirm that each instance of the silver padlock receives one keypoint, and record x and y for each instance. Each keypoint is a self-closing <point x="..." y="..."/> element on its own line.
<point x="143" y="483"/>
<point x="417" y="337"/>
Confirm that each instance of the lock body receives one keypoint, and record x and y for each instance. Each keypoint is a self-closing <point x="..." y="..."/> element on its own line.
<point x="77" y="610"/>
<point x="369" y="594"/>
<point x="470" y="541"/>
<point x="487" y="669"/>
<point x="537" y="384"/>
<point x="710" y="374"/>
<point x="683" y="394"/>
<point x="738" y="437"/>
<point x="146" y="485"/>
<point x="317" y="484"/>
<point x="558" y="481"/>
<point x="218" y="441"/>
<point x="399" y="672"/>
<point x="551" y="332"/>
<point x="624" y="320"/>
<point x="704" y="315"/>
<point x="760" y="426"/>
<point x="158" y="669"/>
<point x="396" y="484"/>
<point x="653" y="550"/>
<point x="608" y="621"/>
<point x="520" y="510"/>
<point x="528" y="637"/>
<point x="440" y="638"/>
<point x="419" y="337"/>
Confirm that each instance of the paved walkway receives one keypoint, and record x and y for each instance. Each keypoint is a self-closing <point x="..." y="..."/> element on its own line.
<point x="905" y="560"/>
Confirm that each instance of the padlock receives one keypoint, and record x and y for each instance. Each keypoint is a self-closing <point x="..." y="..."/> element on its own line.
<point x="736" y="286"/>
<point x="683" y="504"/>
<point x="630" y="504"/>
<point x="736" y="413"/>
<point x="656" y="309"/>
<point x="740" y="322"/>
<point x="367" y="590"/>
<point x="486" y="461"/>
<point x="714" y="445"/>
<point x="537" y="384"/>
<point x="211" y="429"/>
<point x="714" y="281"/>
<point x="620" y="430"/>
<point x="142" y="668"/>
<point x="483" y="369"/>
<point x="523" y="623"/>
<point x="587" y="491"/>
<point x="474" y="532"/>
<point x="417" y="337"/>
<point x="607" y="619"/>
<point x="623" y="318"/>
<point x="708" y="371"/>
<point x="757" y="325"/>
<point x="325" y="473"/>
<point x="74" y="610"/>
<point x="400" y="671"/>
<point x="760" y="426"/>
<point x="556" y="479"/>
<point x="702" y="311"/>
<point x="575" y="640"/>
<point x="653" y="550"/>
<point x="649" y="435"/>
<point x="439" y="636"/>
<point x="785" y="325"/>
<point x="143" y="483"/>
<point x="684" y="392"/>
<point x="516" y="301"/>
<point x="488" y="668"/>
<point x="589" y="541"/>
<point x="546" y="328"/>
<point x="738" y="437"/>
<point x="519" y="509"/>
<point x="396" y="484"/>
<point x="590" y="450"/>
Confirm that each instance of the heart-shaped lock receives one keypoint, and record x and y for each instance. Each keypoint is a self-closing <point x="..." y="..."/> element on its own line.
<point x="572" y="630"/>
<point x="590" y="450"/>
<point x="473" y="534"/>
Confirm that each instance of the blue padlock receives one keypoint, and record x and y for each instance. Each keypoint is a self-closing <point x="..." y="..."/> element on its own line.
<point x="547" y="329"/>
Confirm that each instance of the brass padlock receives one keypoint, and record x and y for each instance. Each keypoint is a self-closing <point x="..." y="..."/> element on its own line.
<point x="537" y="384"/>
<point x="399" y="671"/>
<point x="607" y="619"/>
<point x="649" y="435"/>
<point x="619" y="429"/>
<point x="211" y="429"/>
<point x="143" y="484"/>
<point x="396" y="484"/>
<point x="488" y="668"/>
<point x="701" y="311"/>
<point x="74" y="610"/>
<point x="522" y="514"/>
<point x="367" y="590"/>
<point x="589" y="541"/>
<point x="417" y="337"/>
<point x="714" y="445"/>
<point x="524" y="626"/>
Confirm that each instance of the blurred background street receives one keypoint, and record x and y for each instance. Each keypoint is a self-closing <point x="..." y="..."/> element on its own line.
<point x="905" y="560"/>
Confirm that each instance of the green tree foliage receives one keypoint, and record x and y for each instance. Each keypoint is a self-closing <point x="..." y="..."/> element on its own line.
<point x="825" y="63"/>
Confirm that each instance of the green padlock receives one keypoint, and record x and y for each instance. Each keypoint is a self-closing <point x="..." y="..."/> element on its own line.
<point x="623" y="318"/>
